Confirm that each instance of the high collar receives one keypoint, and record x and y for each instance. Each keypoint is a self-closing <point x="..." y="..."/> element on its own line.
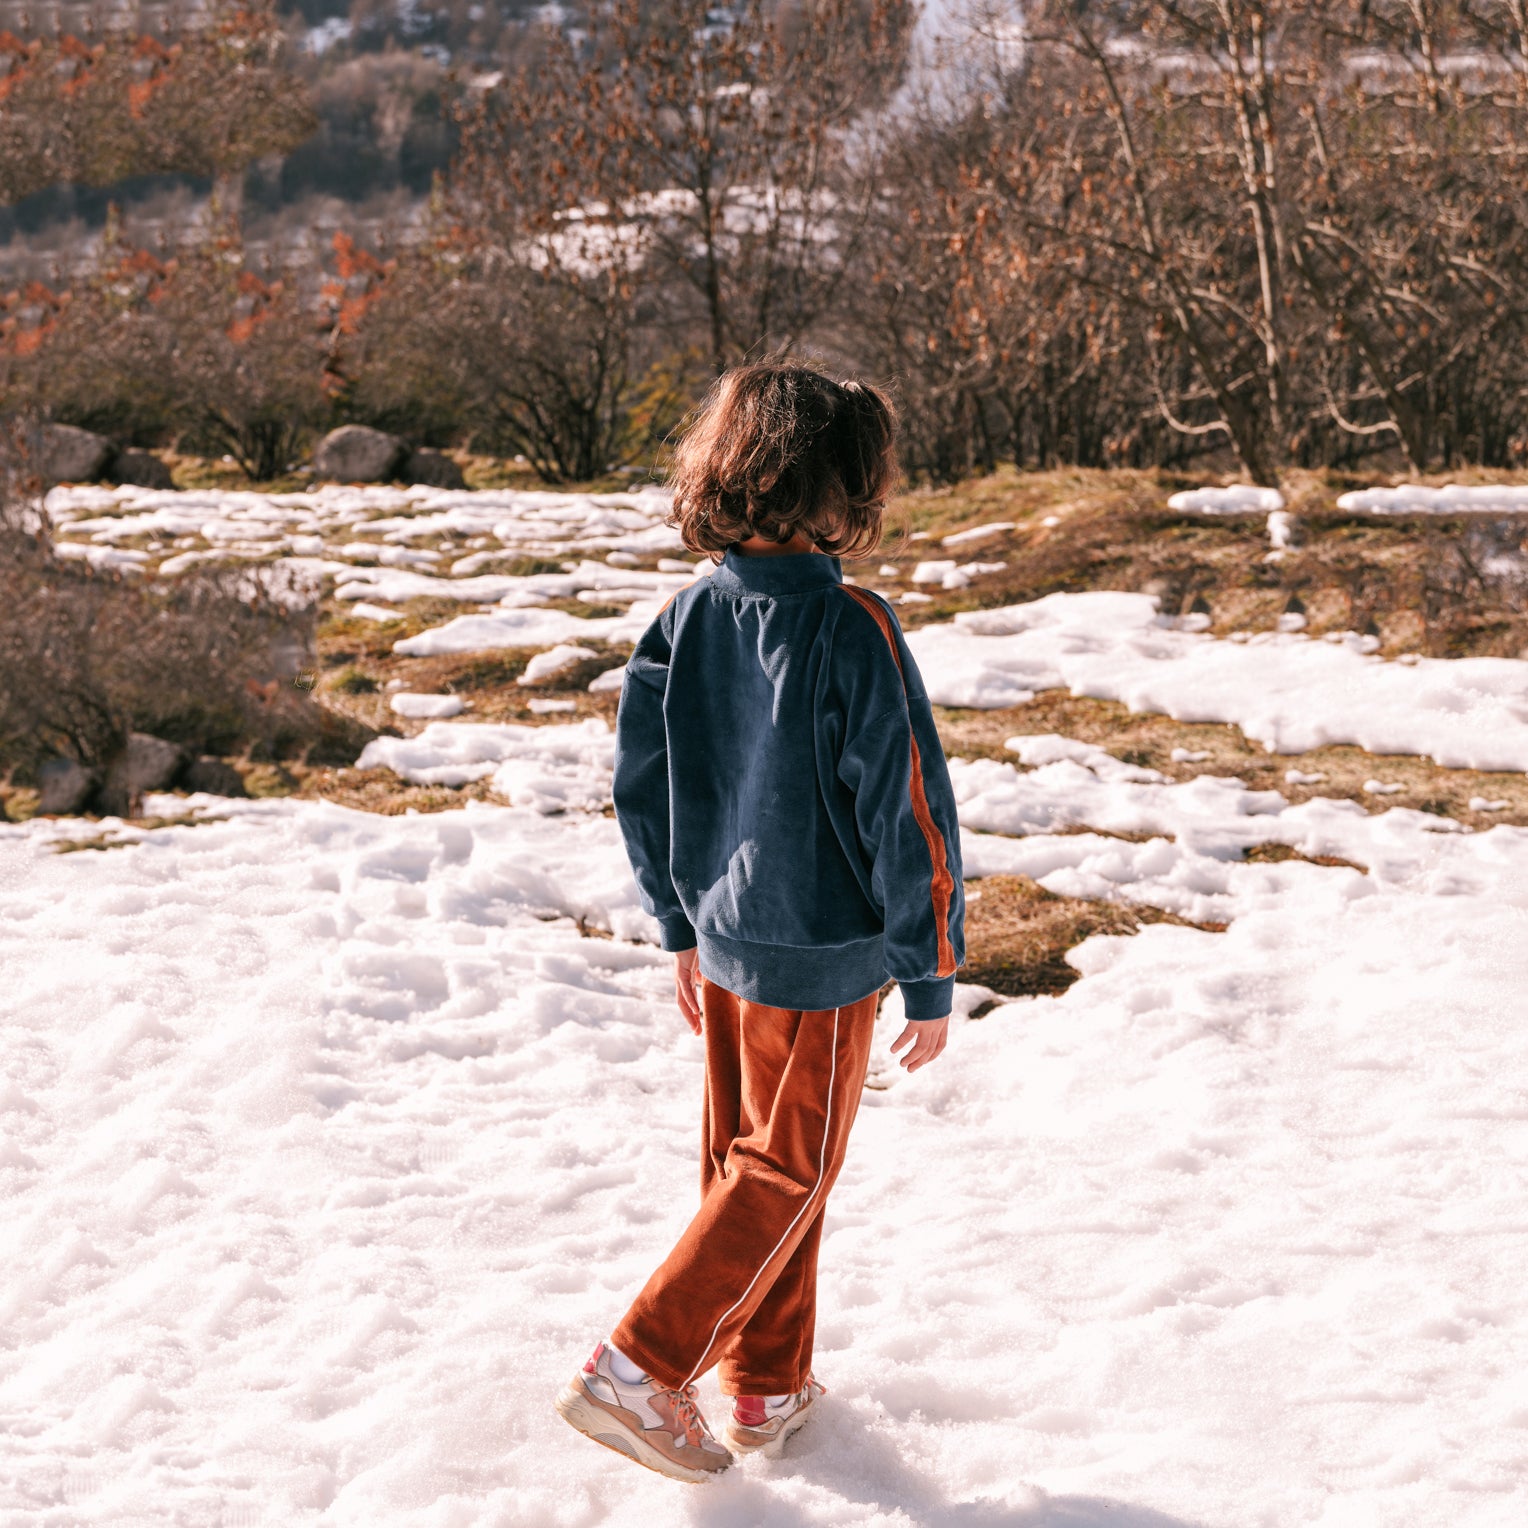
<point x="794" y="573"/>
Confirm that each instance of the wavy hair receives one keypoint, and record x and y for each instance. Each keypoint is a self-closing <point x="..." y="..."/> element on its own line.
<point x="778" y="448"/>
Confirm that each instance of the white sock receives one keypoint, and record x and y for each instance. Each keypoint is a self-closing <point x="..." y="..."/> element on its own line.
<point x="622" y="1367"/>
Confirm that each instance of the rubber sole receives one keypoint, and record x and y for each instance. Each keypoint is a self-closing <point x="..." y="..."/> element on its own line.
<point x="739" y="1443"/>
<point x="580" y="1413"/>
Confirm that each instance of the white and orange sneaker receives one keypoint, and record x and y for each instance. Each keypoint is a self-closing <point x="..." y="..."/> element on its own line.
<point x="760" y="1424"/>
<point x="663" y="1429"/>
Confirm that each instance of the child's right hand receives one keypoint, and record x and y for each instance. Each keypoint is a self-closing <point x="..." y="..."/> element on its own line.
<point x="927" y="1038"/>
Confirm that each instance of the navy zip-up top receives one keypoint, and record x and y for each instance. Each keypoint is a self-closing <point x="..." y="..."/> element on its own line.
<point x="783" y="793"/>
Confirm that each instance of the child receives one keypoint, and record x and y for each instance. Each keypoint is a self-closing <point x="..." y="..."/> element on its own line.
<point x="788" y="815"/>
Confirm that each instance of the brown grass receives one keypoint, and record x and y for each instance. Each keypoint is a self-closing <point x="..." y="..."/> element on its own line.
<point x="1413" y="579"/>
<point x="1017" y="933"/>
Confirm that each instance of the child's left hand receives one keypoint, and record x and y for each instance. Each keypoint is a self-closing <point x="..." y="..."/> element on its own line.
<point x="687" y="986"/>
<point x="927" y="1038"/>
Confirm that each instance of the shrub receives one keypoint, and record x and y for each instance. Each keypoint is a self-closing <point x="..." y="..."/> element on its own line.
<point x="206" y="660"/>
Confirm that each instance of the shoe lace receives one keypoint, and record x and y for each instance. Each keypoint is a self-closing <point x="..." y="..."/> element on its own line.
<point x="687" y="1413"/>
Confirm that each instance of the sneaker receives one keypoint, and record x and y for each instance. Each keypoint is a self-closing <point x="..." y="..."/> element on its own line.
<point x="662" y="1429"/>
<point x="761" y="1425"/>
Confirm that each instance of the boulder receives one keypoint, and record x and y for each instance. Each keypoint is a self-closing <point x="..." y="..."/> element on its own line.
<point x="431" y="469"/>
<point x="145" y="764"/>
<point x="355" y="454"/>
<point x="65" y="787"/>
<point x="64" y="453"/>
<point x="216" y="777"/>
<point x="140" y="469"/>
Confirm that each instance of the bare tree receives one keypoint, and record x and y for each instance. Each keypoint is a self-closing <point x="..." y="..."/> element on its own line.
<point x="92" y="110"/>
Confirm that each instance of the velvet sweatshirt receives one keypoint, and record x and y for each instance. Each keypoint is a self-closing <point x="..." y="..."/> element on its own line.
<point x="783" y="793"/>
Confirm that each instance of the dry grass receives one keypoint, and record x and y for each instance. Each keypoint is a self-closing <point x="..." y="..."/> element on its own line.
<point x="1149" y="741"/>
<point x="1017" y="933"/>
<point x="1415" y="580"/>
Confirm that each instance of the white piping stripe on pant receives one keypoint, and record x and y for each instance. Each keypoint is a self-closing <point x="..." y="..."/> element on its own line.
<point x="822" y="1160"/>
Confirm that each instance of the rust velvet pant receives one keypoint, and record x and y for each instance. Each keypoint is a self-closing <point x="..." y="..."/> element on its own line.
<point x="739" y="1290"/>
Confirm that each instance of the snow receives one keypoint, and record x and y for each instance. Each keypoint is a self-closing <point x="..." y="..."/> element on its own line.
<point x="365" y="530"/>
<point x="554" y="661"/>
<point x="1451" y="499"/>
<point x="949" y="574"/>
<point x="546" y="767"/>
<point x="525" y="628"/>
<point x="1238" y="499"/>
<point x="420" y="707"/>
<point x="976" y="533"/>
<point x="333" y="1145"/>
<point x="330" y="1142"/>
<point x="1282" y="689"/>
<point x="371" y="612"/>
<point x="608" y="683"/>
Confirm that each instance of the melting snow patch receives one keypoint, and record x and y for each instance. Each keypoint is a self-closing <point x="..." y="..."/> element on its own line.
<point x="1451" y="499"/>
<point x="536" y="765"/>
<point x="977" y="533"/>
<point x="1238" y="499"/>
<point x="422" y="707"/>
<point x="610" y="682"/>
<point x="1283" y="690"/>
<point x="554" y="661"/>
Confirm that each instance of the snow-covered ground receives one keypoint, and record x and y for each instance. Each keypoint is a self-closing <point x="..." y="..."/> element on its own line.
<point x="329" y="1141"/>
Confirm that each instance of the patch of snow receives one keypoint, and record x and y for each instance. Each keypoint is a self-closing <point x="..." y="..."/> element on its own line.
<point x="545" y="768"/>
<point x="117" y="560"/>
<point x="1237" y="499"/>
<point x="949" y="574"/>
<point x="1451" y="499"/>
<point x="1283" y="690"/>
<point x="609" y="682"/>
<point x="555" y="660"/>
<point x="526" y="628"/>
<point x="424" y="707"/>
<point x="977" y="533"/>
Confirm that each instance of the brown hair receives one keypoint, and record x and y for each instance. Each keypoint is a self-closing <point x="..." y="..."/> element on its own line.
<point x="778" y="448"/>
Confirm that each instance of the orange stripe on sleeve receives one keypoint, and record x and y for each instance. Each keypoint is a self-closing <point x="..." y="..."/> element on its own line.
<point x="943" y="886"/>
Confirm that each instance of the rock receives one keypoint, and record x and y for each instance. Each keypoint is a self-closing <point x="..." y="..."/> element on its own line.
<point x="140" y="469"/>
<point x="64" y="785"/>
<point x="64" y="453"/>
<point x="216" y="777"/>
<point x="355" y="454"/>
<point x="145" y="764"/>
<point x="431" y="469"/>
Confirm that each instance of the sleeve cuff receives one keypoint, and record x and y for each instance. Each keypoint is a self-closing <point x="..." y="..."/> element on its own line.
<point x="930" y="999"/>
<point x="676" y="934"/>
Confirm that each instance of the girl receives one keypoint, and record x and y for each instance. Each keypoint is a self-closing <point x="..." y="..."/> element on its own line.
<point x="788" y="816"/>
